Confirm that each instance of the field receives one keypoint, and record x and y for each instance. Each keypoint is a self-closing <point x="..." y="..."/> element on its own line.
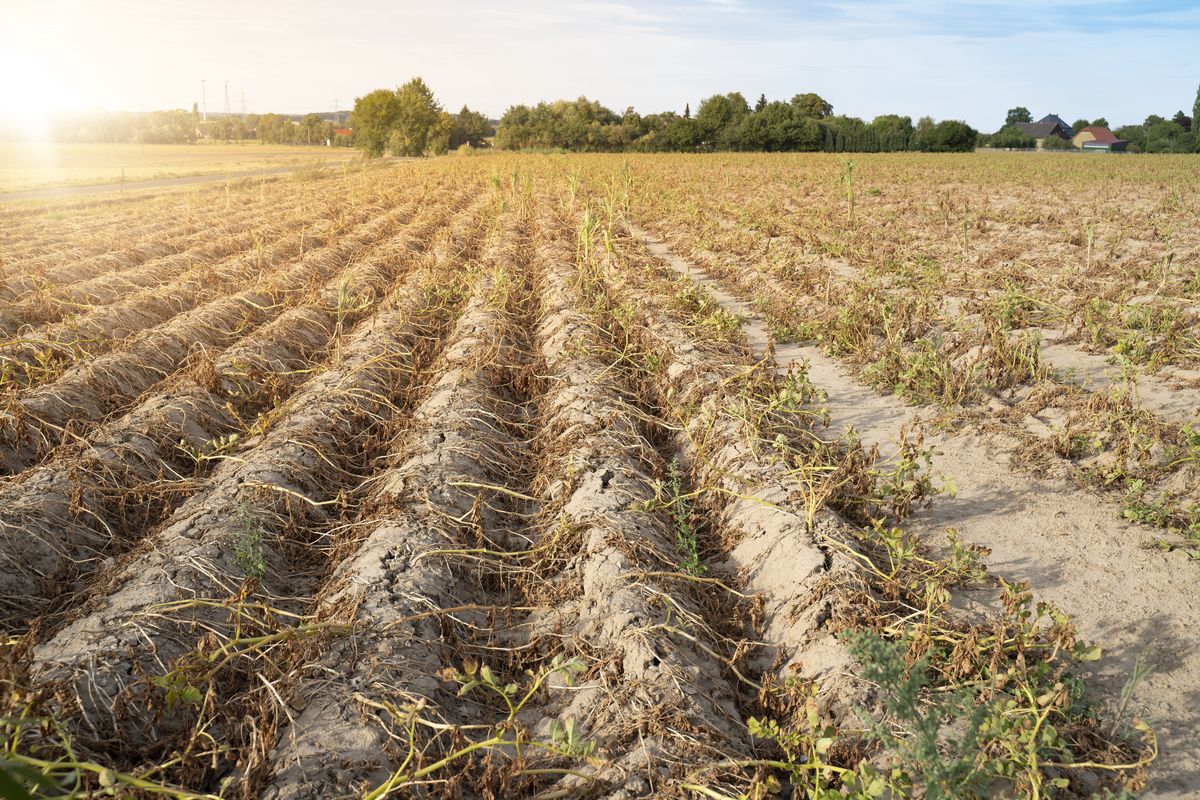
<point x="38" y="165"/>
<point x="605" y="476"/>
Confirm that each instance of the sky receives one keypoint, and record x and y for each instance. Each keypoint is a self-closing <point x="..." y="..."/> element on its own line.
<point x="951" y="60"/>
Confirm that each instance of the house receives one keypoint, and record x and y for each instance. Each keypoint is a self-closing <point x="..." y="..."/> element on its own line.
<point x="1049" y="125"/>
<point x="1055" y="119"/>
<point x="1096" y="139"/>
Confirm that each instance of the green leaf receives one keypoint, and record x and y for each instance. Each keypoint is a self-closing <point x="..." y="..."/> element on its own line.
<point x="13" y="775"/>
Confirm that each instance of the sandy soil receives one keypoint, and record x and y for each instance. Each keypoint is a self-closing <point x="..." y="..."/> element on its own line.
<point x="1071" y="545"/>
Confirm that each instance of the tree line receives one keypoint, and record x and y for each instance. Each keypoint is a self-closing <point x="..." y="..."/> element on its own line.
<point x="410" y="121"/>
<point x="724" y="122"/>
<point x="183" y="127"/>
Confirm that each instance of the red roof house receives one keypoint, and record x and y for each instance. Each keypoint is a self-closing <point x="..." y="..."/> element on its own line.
<point x="1098" y="138"/>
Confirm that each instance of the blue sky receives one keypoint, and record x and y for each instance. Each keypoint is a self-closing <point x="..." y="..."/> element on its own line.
<point x="971" y="60"/>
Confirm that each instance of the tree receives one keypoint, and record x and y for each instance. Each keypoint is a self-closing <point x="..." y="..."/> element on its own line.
<point x="374" y="116"/>
<point x="777" y="127"/>
<point x="1161" y="137"/>
<point x="417" y="115"/>
<point x="952" y="136"/>
<point x="1134" y="134"/>
<point x="580" y="124"/>
<point x="1182" y="120"/>
<point x="812" y="105"/>
<point x="761" y="104"/>
<point x="1057" y="143"/>
<point x="471" y="128"/>
<point x="717" y="117"/>
<point x="1013" y="138"/>
<point x="892" y="132"/>
<point x="687" y="109"/>
<point x="1080" y="124"/>
<point x="1015" y="115"/>
<point x="438" y="138"/>
<point x="310" y="129"/>
<point x="1099" y="122"/>
<point x="679" y="134"/>
<point x="1196" y="108"/>
<point x="922" y="134"/>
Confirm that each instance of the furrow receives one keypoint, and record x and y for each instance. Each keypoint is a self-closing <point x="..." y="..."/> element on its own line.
<point x="458" y="441"/>
<point x="38" y="354"/>
<point x="253" y="518"/>
<point x="776" y="534"/>
<point x="83" y="296"/>
<point x="204" y="241"/>
<point x="87" y="505"/>
<point x="39" y="419"/>
<point x="660" y="695"/>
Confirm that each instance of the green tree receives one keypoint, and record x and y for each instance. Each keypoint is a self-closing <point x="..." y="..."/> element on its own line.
<point x="718" y="116"/>
<point x="470" y="127"/>
<point x="1182" y="120"/>
<point x="375" y="115"/>
<point x="1080" y="124"/>
<point x="1196" y="108"/>
<point x="1013" y="138"/>
<point x="438" y="140"/>
<point x="1057" y="143"/>
<point x="1099" y="122"/>
<point x="777" y="127"/>
<point x="1015" y="115"/>
<point x="761" y="104"/>
<point x="812" y="105"/>
<point x="1134" y="134"/>
<point x="311" y="129"/>
<point x="952" y="136"/>
<point x="274" y="129"/>
<point x="1164" y="137"/>
<point x="418" y="114"/>
<point x="922" y="134"/>
<point x="680" y="134"/>
<point x="892" y="132"/>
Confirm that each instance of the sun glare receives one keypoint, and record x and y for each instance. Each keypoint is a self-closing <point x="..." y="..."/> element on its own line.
<point x="35" y="89"/>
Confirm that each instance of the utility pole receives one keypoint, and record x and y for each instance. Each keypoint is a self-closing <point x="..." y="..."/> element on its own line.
<point x="203" y="101"/>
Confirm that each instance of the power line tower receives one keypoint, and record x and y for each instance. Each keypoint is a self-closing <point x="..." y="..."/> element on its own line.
<point x="227" y="111"/>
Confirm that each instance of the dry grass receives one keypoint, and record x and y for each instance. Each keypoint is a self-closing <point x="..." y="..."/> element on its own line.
<point x="470" y="494"/>
<point x="36" y="165"/>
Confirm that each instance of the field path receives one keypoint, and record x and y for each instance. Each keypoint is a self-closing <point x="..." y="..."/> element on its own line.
<point x="1071" y="545"/>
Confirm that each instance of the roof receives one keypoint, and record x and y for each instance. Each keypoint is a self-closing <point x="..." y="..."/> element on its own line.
<point x="1101" y="134"/>
<point x="1038" y="130"/>
<point x="1054" y="119"/>
<point x="341" y="131"/>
